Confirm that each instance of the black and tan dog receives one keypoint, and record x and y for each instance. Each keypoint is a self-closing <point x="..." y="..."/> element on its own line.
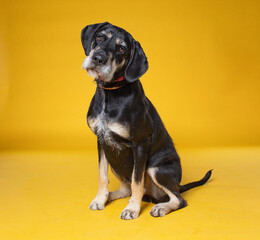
<point x="131" y="136"/>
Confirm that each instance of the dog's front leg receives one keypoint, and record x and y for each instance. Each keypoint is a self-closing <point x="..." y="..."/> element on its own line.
<point x="137" y="185"/>
<point x="100" y="200"/>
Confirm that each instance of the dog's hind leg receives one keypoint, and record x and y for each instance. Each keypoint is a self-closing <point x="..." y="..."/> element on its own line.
<point x="123" y="192"/>
<point x="164" y="179"/>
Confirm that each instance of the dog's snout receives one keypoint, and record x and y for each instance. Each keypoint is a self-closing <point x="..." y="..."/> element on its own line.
<point x="99" y="58"/>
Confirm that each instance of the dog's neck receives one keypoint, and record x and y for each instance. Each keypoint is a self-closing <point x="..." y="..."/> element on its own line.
<point x="113" y="85"/>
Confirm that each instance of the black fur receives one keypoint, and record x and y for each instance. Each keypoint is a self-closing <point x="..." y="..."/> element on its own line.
<point x="148" y="145"/>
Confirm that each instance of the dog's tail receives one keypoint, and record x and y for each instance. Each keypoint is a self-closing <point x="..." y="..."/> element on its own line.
<point x="196" y="184"/>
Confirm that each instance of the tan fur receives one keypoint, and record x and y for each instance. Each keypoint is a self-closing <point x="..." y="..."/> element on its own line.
<point x="117" y="128"/>
<point x="162" y="209"/>
<point x="133" y="208"/>
<point x="100" y="200"/>
<point x="123" y="192"/>
<point x="92" y="123"/>
<point x="109" y="34"/>
<point x="118" y="41"/>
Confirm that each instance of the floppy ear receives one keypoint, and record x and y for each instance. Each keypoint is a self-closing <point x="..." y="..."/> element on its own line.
<point x="137" y="65"/>
<point x="88" y="33"/>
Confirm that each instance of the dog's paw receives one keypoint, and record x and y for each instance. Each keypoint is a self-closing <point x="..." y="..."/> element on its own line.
<point x="97" y="205"/>
<point x="158" y="211"/>
<point x="129" y="214"/>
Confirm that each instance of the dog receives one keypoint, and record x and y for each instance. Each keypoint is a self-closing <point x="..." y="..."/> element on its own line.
<point x="130" y="133"/>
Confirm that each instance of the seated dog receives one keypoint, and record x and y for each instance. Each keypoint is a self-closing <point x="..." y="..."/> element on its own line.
<point x="131" y="136"/>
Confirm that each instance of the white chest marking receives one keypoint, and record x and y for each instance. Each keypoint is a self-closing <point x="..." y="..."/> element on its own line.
<point x="103" y="129"/>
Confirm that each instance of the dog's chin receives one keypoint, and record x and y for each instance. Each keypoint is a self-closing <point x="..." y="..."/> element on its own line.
<point x="93" y="73"/>
<point x="98" y="75"/>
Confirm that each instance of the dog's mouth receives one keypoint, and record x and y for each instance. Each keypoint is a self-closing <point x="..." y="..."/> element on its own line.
<point x="92" y="71"/>
<point x="95" y="73"/>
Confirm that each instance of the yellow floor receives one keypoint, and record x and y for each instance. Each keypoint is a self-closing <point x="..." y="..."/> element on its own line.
<point x="46" y="196"/>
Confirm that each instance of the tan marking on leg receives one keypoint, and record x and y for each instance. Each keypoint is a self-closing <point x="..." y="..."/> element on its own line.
<point x="123" y="192"/>
<point x="133" y="208"/>
<point x="162" y="209"/>
<point x="99" y="202"/>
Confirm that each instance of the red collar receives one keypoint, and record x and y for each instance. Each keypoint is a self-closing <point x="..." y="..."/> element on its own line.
<point x="112" y="88"/>
<point x="117" y="80"/>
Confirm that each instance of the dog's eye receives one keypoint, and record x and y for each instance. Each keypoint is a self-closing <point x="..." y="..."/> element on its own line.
<point x="100" y="39"/>
<point x="121" y="49"/>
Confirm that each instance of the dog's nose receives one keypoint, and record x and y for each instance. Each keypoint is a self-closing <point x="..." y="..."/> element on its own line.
<point x="99" y="58"/>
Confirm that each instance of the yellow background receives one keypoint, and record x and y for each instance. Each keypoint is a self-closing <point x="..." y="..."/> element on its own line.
<point x="203" y="76"/>
<point x="203" y="79"/>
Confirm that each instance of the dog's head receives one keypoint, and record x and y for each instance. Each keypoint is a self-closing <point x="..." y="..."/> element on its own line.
<point x="112" y="53"/>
